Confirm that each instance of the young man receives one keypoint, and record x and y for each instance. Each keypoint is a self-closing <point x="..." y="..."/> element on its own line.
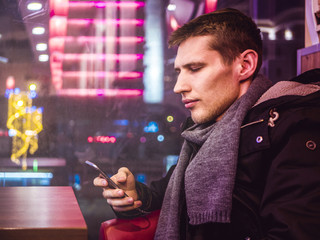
<point x="249" y="167"/>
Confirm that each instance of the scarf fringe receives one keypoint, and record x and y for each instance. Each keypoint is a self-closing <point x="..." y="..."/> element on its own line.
<point x="197" y="218"/>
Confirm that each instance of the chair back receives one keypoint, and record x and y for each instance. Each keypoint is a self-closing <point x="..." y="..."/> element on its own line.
<point x="130" y="229"/>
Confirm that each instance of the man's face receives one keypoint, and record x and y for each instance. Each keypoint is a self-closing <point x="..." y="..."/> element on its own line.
<point x="208" y="86"/>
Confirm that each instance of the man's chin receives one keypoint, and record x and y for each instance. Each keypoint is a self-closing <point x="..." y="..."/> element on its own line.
<point x="198" y="120"/>
<point x="202" y="119"/>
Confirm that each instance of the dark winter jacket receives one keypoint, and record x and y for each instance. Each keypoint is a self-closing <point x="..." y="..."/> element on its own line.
<point x="277" y="186"/>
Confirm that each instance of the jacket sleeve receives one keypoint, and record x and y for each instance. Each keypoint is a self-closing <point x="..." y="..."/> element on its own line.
<point x="290" y="206"/>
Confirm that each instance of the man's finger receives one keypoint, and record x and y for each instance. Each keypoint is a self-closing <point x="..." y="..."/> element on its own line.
<point x="122" y="174"/>
<point x="113" y="193"/>
<point x="135" y="205"/>
<point x="100" y="182"/>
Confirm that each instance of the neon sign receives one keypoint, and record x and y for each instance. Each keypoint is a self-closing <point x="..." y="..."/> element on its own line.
<point x="101" y="139"/>
<point x="151" y="127"/>
<point x="24" y="123"/>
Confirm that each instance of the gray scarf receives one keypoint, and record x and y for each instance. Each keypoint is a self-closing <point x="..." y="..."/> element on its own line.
<point x="207" y="180"/>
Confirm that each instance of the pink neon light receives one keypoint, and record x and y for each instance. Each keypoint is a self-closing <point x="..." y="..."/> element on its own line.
<point x="10" y="82"/>
<point x="59" y="7"/>
<point x="173" y="23"/>
<point x="58" y="26"/>
<point x="105" y="4"/>
<point x="85" y="22"/>
<point x="56" y="44"/>
<point x="98" y="56"/>
<point x="119" y="75"/>
<point x="4" y="133"/>
<point x="93" y="39"/>
<point x="211" y="5"/>
<point x="95" y="92"/>
<point x="57" y="82"/>
<point x="102" y="139"/>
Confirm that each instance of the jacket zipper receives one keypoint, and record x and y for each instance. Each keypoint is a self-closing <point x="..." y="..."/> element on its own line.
<point x="251" y="123"/>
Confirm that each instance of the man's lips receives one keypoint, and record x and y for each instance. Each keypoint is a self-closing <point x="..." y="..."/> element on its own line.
<point x="189" y="103"/>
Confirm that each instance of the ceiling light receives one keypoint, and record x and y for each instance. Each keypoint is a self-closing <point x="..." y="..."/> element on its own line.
<point x="38" y="30"/>
<point x="44" y="58"/>
<point x="32" y="87"/>
<point x="288" y="34"/>
<point x="171" y="7"/>
<point x="34" y="6"/>
<point x="41" y="46"/>
<point x="272" y="35"/>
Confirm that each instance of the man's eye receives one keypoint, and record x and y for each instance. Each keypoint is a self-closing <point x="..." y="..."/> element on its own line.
<point x="195" y="69"/>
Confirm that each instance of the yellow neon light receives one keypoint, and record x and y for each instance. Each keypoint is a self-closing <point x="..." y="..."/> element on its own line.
<point x="25" y="122"/>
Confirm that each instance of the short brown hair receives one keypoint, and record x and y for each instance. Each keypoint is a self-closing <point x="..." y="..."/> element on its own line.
<point x="233" y="32"/>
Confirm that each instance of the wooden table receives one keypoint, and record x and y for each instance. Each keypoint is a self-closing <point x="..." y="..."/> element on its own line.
<point x="40" y="213"/>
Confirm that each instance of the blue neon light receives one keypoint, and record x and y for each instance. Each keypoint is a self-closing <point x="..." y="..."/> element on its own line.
<point x="8" y="92"/>
<point x="160" y="138"/>
<point x="12" y="132"/>
<point x="151" y="127"/>
<point x="33" y="94"/>
<point x="141" y="178"/>
<point x="121" y="122"/>
<point x="16" y="90"/>
<point x="19" y="175"/>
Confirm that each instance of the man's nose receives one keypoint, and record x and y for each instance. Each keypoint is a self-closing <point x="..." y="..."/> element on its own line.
<point x="181" y="84"/>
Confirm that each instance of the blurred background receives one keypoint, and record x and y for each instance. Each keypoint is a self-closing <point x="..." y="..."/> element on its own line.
<point x="93" y="80"/>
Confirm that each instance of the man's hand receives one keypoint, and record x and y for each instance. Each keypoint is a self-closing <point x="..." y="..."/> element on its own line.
<point x="115" y="197"/>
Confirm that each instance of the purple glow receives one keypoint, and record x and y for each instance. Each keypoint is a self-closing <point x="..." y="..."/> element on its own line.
<point x="99" y="5"/>
<point x="94" y="39"/>
<point x="98" y="56"/>
<point x="105" y="4"/>
<point x="119" y="75"/>
<point x="143" y="139"/>
<point x="102" y="92"/>
<point x="85" y="21"/>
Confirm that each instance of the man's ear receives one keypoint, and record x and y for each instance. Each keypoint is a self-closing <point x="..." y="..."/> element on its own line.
<point x="249" y="61"/>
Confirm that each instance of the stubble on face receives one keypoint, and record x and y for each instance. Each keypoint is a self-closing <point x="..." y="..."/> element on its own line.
<point x="213" y="86"/>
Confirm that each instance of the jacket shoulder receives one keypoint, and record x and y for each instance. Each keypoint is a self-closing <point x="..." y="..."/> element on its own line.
<point x="270" y="121"/>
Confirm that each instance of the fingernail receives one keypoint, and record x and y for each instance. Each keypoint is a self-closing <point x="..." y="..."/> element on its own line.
<point x="120" y="192"/>
<point x="130" y="200"/>
<point x="104" y="182"/>
<point x="139" y="204"/>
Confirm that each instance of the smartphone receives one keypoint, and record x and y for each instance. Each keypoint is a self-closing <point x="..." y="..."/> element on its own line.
<point x="111" y="183"/>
